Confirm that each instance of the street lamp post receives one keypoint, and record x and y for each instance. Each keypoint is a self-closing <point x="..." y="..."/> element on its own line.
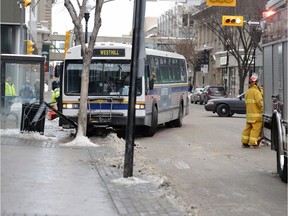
<point x="86" y="16"/>
<point x="227" y="64"/>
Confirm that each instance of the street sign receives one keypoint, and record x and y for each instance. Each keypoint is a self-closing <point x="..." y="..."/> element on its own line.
<point x="224" y="3"/>
<point x="253" y="23"/>
<point x="204" y="68"/>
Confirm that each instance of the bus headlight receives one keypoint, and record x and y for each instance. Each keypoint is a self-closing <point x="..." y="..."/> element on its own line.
<point x="70" y="106"/>
<point x="139" y="106"/>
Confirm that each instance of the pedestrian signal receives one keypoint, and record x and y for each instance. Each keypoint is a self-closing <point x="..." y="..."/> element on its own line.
<point x="227" y="3"/>
<point x="27" y="3"/>
<point x="232" y="20"/>
<point x="30" y="48"/>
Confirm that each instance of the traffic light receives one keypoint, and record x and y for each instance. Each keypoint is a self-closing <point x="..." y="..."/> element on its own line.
<point x="27" y="3"/>
<point x="228" y="20"/>
<point x="30" y="48"/>
<point x="67" y="40"/>
<point x="227" y="3"/>
<point x="206" y="56"/>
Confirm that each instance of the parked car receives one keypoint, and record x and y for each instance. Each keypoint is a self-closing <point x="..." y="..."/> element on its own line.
<point x="212" y="92"/>
<point x="195" y="95"/>
<point x="226" y="107"/>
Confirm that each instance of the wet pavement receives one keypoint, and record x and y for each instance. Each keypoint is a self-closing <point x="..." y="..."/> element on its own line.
<point x="43" y="177"/>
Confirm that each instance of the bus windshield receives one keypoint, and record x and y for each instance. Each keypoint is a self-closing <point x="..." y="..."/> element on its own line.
<point x="105" y="78"/>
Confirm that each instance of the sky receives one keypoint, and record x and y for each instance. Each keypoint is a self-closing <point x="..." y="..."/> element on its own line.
<point x="116" y="16"/>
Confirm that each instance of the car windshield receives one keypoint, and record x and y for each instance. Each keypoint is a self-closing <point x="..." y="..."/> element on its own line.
<point x="217" y="90"/>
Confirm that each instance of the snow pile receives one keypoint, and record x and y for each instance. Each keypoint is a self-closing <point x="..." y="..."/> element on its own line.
<point x="23" y="135"/>
<point x="116" y="157"/>
<point x="80" y="141"/>
<point x="130" y="181"/>
<point x="143" y="171"/>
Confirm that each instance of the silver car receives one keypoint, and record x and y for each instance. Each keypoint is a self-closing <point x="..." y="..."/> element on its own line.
<point x="195" y="95"/>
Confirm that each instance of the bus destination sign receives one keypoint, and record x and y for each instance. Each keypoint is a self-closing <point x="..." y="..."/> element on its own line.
<point x="109" y="53"/>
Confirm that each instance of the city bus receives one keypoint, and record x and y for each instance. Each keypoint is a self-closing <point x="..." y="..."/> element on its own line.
<point x="162" y="90"/>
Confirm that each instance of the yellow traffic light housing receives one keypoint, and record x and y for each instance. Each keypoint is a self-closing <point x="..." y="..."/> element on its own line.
<point x="228" y="20"/>
<point x="30" y="48"/>
<point x="67" y="40"/>
<point x="27" y="3"/>
<point x="227" y="3"/>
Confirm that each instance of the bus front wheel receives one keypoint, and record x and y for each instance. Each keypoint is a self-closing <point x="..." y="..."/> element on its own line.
<point x="149" y="131"/>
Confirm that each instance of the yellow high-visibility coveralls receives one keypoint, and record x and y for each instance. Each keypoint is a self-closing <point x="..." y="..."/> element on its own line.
<point x="254" y="109"/>
<point x="10" y="89"/>
<point x="55" y="95"/>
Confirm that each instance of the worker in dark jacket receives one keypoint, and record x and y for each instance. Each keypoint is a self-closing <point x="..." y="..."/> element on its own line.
<point x="254" y="110"/>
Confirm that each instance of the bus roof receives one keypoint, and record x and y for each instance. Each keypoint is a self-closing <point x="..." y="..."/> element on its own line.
<point x="75" y="52"/>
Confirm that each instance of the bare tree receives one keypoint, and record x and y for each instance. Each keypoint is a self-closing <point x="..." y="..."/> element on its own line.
<point x="87" y="52"/>
<point x="240" y="42"/>
<point x="181" y="36"/>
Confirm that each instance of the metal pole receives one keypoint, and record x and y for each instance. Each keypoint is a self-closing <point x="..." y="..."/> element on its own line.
<point x="86" y="16"/>
<point x="21" y="51"/>
<point x="138" y="23"/>
<point x="254" y="59"/>
<point x="226" y="71"/>
<point x="203" y="79"/>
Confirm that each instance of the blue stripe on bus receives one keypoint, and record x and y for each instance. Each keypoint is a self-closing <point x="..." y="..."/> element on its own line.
<point x="173" y="89"/>
<point x="180" y="89"/>
<point x="108" y="106"/>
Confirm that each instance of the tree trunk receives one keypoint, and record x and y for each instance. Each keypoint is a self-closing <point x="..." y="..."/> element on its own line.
<point x="82" y="118"/>
<point x="242" y="77"/>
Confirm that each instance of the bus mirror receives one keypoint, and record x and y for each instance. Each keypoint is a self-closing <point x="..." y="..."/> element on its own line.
<point x="58" y="69"/>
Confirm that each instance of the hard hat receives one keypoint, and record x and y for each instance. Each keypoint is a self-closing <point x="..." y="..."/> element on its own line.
<point x="253" y="78"/>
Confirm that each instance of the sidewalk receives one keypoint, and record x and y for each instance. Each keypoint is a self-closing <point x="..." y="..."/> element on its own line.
<point x="41" y="177"/>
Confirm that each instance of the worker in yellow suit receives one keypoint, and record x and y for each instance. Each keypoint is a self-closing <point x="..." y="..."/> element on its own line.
<point x="251" y="135"/>
<point x="54" y="97"/>
<point x="9" y="87"/>
<point x="54" y="100"/>
<point x="10" y="94"/>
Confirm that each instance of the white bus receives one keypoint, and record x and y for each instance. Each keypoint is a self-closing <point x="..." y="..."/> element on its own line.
<point x="162" y="92"/>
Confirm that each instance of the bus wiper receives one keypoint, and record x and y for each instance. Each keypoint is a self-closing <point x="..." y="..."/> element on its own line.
<point x="112" y="89"/>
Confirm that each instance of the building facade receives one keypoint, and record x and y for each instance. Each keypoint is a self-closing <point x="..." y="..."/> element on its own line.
<point x="222" y="68"/>
<point x="24" y="23"/>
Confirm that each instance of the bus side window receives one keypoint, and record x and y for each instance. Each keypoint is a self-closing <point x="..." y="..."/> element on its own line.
<point x="149" y="80"/>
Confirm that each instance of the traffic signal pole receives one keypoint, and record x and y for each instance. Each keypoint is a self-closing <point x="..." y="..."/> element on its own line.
<point x="138" y="25"/>
<point x="22" y="4"/>
<point x="21" y="50"/>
